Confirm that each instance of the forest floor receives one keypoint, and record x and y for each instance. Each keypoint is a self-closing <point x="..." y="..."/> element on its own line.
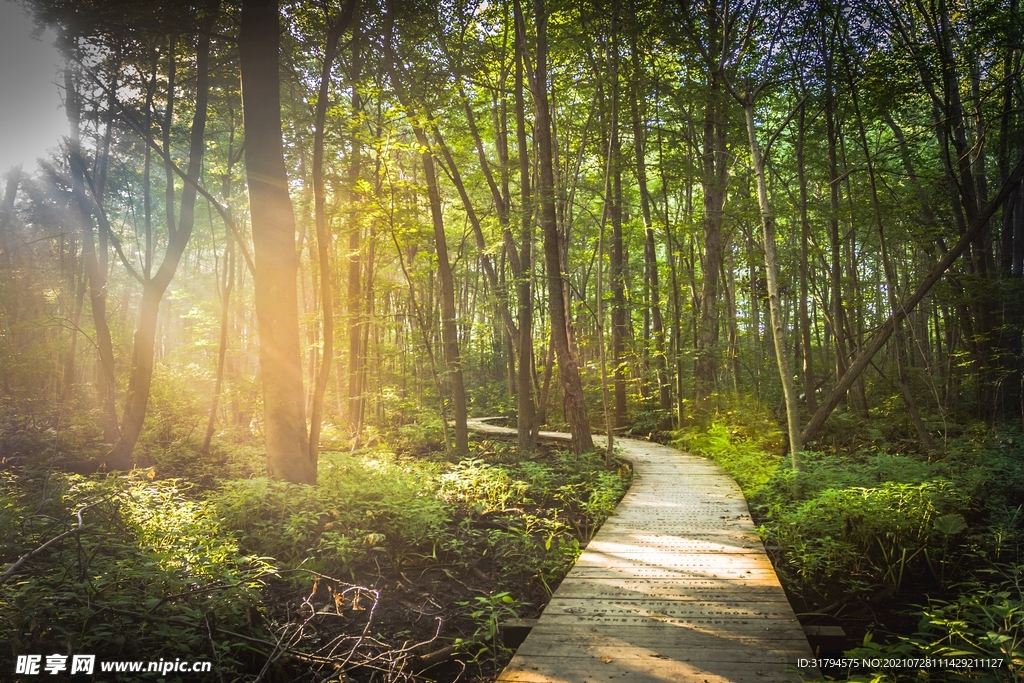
<point x="402" y="562"/>
<point x="405" y="560"/>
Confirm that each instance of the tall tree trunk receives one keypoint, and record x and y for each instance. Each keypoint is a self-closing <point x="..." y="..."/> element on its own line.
<point x="568" y="370"/>
<point x="805" y="237"/>
<point x="225" y="293"/>
<point x="153" y="289"/>
<point x="617" y="274"/>
<point x="835" y="244"/>
<point x="323" y="237"/>
<point x="449" y="331"/>
<point x="892" y="287"/>
<point x="771" y="266"/>
<point x="105" y="381"/>
<point x="527" y="423"/>
<point x="273" y="232"/>
<point x="714" y="175"/>
<point x="650" y="250"/>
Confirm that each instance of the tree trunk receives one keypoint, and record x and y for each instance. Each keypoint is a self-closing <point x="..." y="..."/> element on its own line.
<point x="273" y="232"/>
<point x="772" y="274"/>
<point x="835" y="245"/>
<point x="323" y="237"/>
<point x="892" y="286"/>
<point x="106" y="383"/>
<point x="449" y="331"/>
<point x="650" y="250"/>
<point x="527" y="423"/>
<point x="568" y="370"/>
<point x="617" y="274"/>
<point x="153" y="289"/>
<point x="805" y="238"/>
<point x="225" y="294"/>
<point x="881" y="336"/>
<point x="714" y="164"/>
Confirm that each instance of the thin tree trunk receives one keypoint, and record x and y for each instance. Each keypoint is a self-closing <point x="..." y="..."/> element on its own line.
<point x="527" y="422"/>
<point x="449" y="331"/>
<point x="772" y="273"/>
<point x="892" y="286"/>
<point x="650" y="250"/>
<point x="805" y="238"/>
<point x="714" y="163"/>
<point x="835" y="245"/>
<point x="614" y="211"/>
<point x="323" y="238"/>
<point x="222" y="343"/>
<point x="106" y="382"/>
<point x="225" y="295"/>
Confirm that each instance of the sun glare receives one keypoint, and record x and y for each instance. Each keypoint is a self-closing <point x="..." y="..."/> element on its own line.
<point x="31" y="116"/>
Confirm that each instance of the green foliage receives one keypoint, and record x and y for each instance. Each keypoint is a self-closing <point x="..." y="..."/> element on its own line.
<point x="481" y="486"/>
<point x="853" y="522"/>
<point x="362" y="504"/>
<point x="170" y="562"/>
<point x="742" y="437"/>
<point x="488" y="612"/>
<point x="855" y="534"/>
<point x="985" y="621"/>
<point x="150" y="559"/>
<point x="741" y="458"/>
<point x="532" y="539"/>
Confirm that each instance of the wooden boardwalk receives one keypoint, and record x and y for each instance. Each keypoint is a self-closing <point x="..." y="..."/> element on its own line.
<point x="675" y="587"/>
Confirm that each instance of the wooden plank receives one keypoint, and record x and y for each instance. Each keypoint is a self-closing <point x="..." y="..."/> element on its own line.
<point x="604" y="589"/>
<point x="675" y="586"/>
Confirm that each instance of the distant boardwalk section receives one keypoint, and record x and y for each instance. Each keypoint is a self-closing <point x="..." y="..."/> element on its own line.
<point x="675" y="587"/>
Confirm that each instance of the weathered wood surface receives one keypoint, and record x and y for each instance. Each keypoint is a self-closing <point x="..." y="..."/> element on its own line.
<point x="675" y="587"/>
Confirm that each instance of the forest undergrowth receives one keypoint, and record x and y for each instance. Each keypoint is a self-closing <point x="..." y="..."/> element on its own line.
<point x="913" y="555"/>
<point x="401" y="564"/>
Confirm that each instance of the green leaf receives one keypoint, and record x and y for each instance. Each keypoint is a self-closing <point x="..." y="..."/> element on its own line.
<point x="948" y="525"/>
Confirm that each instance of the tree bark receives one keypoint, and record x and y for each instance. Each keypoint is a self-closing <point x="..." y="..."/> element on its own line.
<point x="449" y="331"/>
<point x="568" y="369"/>
<point x="141" y="378"/>
<point x="323" y="237"/>
<point x="650" y="250"/>
<point x="273" y="231"/>
<point x="714" y="165"/>
<point x="616" y="271"/>
<point x="805" y="238"/>
<point x="527" y="412"/>
<point x="106" y="382"/>
<point x="771" y="266"/>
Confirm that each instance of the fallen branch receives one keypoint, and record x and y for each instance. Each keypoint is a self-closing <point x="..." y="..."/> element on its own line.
<point x="41" y="549"/>
<point x="886" y="330"/>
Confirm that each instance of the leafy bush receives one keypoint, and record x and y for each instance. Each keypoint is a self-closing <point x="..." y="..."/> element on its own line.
<point x="151" y="561"/>
<point x="860" y="533"/>
<point x="985" y="621"/>
<point x="360" y="504"/>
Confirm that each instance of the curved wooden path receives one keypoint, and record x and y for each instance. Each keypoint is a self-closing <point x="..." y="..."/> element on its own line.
<point x="675" y="587"/>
